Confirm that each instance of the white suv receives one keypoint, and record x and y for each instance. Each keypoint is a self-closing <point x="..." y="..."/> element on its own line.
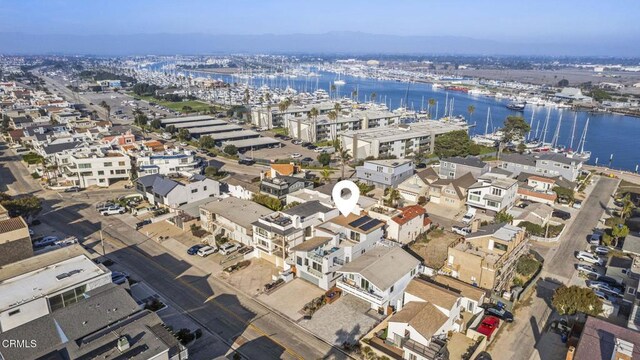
<point x="113" y="211"/>
<point x="206" y="251"/>
<point x="589" y="257"/>
<point x="228" y="248"/>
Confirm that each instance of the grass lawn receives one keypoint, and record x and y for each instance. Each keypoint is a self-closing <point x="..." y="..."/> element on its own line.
<point x="195" y="105"/>
<point x="281" y="131"/>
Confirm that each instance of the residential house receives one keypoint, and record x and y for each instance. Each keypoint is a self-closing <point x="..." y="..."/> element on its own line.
<point x="384" y="173"/>
<point x="539" y="188"/>
<point x="15" y="241"/>
<point x="290" y="169"/>
<point x="379" y="276"/>
<point x="546" y="164"/>
<point x="601" y="339"/>
<point x="493" y="194"/>
<point x="536" y="213"/>
<point x="334" y="243"/>
<point x="487" y="257"/>
<point x="275" y="235"/>
<point x="323" y="194"/>
<point x="240" y="188"/>
<point x="175" y="191"/>
<point x="232" y="217"/>
<point x="279" y="187"/>
<point x="168" y="163"/>
<point x="432" y="308"/>
<point x="93" y="166"/>
<point x="404" y="224"/>
<point x="451" y="192"/>
<point x="417" y="185"/>
<point x="455" y="167"/>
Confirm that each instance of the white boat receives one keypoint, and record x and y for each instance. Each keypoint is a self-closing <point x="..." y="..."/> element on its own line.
<point x="581" y="154"/>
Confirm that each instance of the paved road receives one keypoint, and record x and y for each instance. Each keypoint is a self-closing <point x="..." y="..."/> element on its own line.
<point x="562" y="263"/>
<point x="234" y="318"/>
<point x="520" y="340"/>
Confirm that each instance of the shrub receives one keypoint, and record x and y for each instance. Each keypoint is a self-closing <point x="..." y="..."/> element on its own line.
<point x="422" y="200"/>
<point x="527" y="265"/>
<point x="230" y="150"/>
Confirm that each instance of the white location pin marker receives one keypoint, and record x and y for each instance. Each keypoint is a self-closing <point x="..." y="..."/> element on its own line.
<point x="345" y="194"/>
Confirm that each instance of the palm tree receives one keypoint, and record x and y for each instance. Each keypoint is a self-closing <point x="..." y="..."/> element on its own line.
<point x="313" y="114"/>
<point x="246" y="97"/>
<point x="332" y="89"/>
<point x="354" y="94"/>
<point x="364" y="188"/>
<point x="325" y="175"/>
<point x="344" y="158"/>
<point x="394" y="196"/>
<point x="432" y="102"/>
<point x="470" y="110"/>
<point x="337" y="107"/>
<point x="333" y="116"/>
<point x="373" y="97"/>
<point x="627" y="207"/>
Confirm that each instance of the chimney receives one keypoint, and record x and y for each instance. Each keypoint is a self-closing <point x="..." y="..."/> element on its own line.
<point x="623" y="350"/>
<point x="123" y="344"/>
<point x="475" y="224"/>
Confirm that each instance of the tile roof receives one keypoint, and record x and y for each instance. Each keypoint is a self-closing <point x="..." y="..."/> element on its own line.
<point x="422" y="316"/>
<point x="432" y="293"/>
<point x="284" y="169"/>
<point x="598" y="340"/>
<point x="409" y="213"/>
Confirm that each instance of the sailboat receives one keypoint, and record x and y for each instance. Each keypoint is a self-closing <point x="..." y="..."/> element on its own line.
<point x="488" y="139"/>
<point x="581" y="154"/>
<point x="339" y="82"/>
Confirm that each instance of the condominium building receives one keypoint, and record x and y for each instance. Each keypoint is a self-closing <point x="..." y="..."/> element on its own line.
<point x="94" y="167"/>
<point x="168" y="163"/>
<point x="549" y="165"/>
<point x="493" y="194"/>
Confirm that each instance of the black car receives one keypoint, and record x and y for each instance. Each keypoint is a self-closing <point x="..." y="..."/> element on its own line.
<point x="142" y="223"/>
<point x="421" y="166"/>
<point x="211" y="154"/>
<point x="305" y="144"/>
<point x="194" y="249"/>
<point x="286" y="138"/>
<point x="307" y="160"/>
<point x="247" y="162"/>
<point x="498" y="312"/>
<point x="561" y="214"/>
<point x="72" y="189"/>
<point x="610" y="281"/>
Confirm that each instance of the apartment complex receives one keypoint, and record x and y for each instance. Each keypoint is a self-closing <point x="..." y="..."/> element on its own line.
<point x="176" y="190"/>
<point x="493" y="194"/>
<point x="232" y="218"/>
<point x="549" y="165"/>
<point x="455" y="167"/>
<point x="384" y="173"/>
<point x="100" y="167"/>
<point x="168" y="163"/>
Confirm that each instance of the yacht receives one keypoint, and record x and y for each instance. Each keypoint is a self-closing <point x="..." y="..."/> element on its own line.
<point x="517" y="106"/>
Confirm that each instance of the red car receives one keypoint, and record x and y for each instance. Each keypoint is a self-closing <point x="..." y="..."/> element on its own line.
<point x="488" y="326"/>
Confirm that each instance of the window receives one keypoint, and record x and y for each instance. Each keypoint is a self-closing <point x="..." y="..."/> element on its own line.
<point x="630" y="291"/>
<point x="193" y="191"/>
<point x="364" y="283"/>
<point x="108" y="164"/>
<point x="354" y="236"/>
<point x="121" y="172"/>
<point x="299" y="260"/>
<point x="413" y="272"/>
<point x="100" y="172"/>
<point x="121" y="163"/>
<point x="391" y="290"/>
<point x="412" y="356"/>
<point x="205" y="188"/>
<point x="496" y="192"/>
<point x="67" y="298"/>
<point x="452" y="174"/>
<point x="470" y="306"/>
<point x="500" y="246"/>
<point x="84" y="166"/>
<point x="475" y="198"/>
<point x="493" y="204"/>
<point x="316" y="266"/>
<point x="14" y="312"/>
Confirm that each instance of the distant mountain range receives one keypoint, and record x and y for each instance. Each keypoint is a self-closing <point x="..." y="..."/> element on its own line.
<point x="333" y="42"/>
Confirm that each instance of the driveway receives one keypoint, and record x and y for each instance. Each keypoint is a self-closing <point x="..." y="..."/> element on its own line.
<point x="290" y="298"/>
<point x="345" y="320"/>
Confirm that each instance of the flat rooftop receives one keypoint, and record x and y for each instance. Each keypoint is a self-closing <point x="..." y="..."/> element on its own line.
<point x="234" y="135"/>
<point x="185" y="119"/>
<point x="405" y="131"/>
<point x="47" y="280"/>
<point x="213" y="129"/>
<point x="201" y="123"/>
<point x="252" y="142"/>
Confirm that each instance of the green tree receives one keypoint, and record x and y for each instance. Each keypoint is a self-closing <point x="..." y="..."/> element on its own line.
<point x="324" y="159"/>
<point x="187" y="109"/>
<point x="290" y="205"/>
<point x="618" y="232"/>
<point x="627" y="207"/>
<point x="515" y="128"/>
<point x="155" y="123"/>
<point x="25" y="206"/>
<point x="325" y="175"/>
<point x="564" y="193"/>
<point x="471" y="109"/>
<point x="503" y="216"/>
<point x="432" y="103"/>
<point x="364" y="188"/>
<point x="170" y="129"/>
<point x="206" y="142"/>
<point x="230" y="150"/>
<point x="563" y="83"/>
<point x="393" y="197"/>
<point x="141" y="120"/>
<point x="267" y="201"/>
<point x="576" y="299"/>
<point x="183" y="135"/>
<point x="454" y="143"/>
<point x="344" y="156"/>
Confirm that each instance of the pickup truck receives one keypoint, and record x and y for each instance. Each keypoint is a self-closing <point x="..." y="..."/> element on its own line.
<point x="461" y="230"/>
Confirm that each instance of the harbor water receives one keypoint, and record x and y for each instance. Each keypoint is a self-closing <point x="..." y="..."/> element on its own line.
<point x="614" y="140"/>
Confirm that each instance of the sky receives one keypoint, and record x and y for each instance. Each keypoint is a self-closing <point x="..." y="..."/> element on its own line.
<point x="501" y="20"/>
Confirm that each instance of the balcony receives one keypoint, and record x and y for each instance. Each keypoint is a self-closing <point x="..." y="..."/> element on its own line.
<point x="360" y="292"/>
<point x="314" y="272"/>
<point x="315" y="257"/>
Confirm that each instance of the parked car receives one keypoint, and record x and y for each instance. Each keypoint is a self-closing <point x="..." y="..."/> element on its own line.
<point x="296" y="142"/>
<point x="46" y="241"/>
<point x="589" y="257"/>
<point x="468" y="217"/>
<point x="461" y="230"/>
<point x="595" y="238"/>
<point x="611" y="281"/>
<point x="561" y="214"/>
<point x="246" y="161"/>
<point x="421" y="166"/>
<point x="498" y="312"/>
<point x="115" y="210"/>
<point x="577" y="204"/>
<point x="104" y="206"/>
<point x="604" y="287"/>
<point x="118" y="277"/>
<point x="142" y="223"/>
<point x="206" y="251"/>
<point x="228" y="248"/>
<point x="488" y="326"/>
<point x="305" y="144"/>
<point x="245" y="250"/>
<point x="586" y="269"/>
<point x="295" y="155"/>
<point x="66" y="241"/>
<point x="307" y="160"/>
<point x="604" y="296"/>
<point x="600" y="250"/>
<point x="72" y="189"/>
<point x="194" y="249"/>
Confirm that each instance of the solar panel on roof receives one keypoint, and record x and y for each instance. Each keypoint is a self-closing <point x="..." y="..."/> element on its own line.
<point x="370" y="225"/>
<point x="360" y="221"/>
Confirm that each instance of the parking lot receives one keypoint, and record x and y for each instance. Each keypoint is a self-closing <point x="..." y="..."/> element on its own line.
<point x="291" y="297"/>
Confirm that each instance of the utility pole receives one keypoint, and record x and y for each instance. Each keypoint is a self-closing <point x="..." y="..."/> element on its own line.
<point x="102" y="242"/>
